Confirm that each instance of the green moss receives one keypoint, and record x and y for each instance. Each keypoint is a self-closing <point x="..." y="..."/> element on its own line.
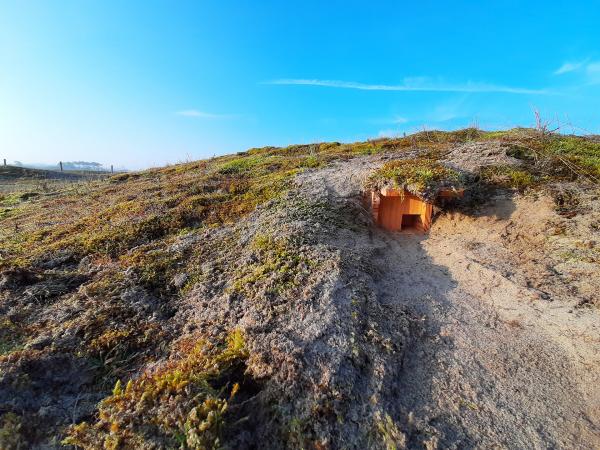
<point x="10" y="200"/>
<point x="364" y="148"/>
<point x="16" y="198"/>
<point x="295" y="434"/>
<point x="421" y="174"/>
<point x="154" y="265"/>
<point x="5" y="212"/>
<point x="494" y="135"/>
<point x="240" y="165"/>
<point x="124" y="177"/>
<point x="120" y="343"/>
<point x="520" y="152"/>
<point x="11" y="337"/>
<point x="278" y="261"/>
<point x="328" y="146"/>
<point x="182" y="404"/>
<point x="447" y="137"/>
<point x="312" y="162"/>
<point x="10" y="431"/>
<point x="578" y="150"/>
<point x="507" y="176"/>
<point x="579" y="254"/>
<point x="389" y="433"/>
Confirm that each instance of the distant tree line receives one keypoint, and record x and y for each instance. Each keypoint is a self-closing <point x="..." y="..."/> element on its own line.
<point x="82" y="165"/>
<point x="66" y="165"/>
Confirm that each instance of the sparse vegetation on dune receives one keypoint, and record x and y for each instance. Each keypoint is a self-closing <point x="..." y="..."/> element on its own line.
<point x="183" y="403"/>
<point x="141" y="280"/>
<point x="421" y="176"/>
<point x="109" y="218"/>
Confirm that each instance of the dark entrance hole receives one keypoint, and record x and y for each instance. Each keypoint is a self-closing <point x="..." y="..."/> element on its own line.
<point x="412" y="222"/>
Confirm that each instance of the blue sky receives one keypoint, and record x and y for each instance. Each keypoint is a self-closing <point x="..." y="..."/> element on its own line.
<point x="139" y="84"/>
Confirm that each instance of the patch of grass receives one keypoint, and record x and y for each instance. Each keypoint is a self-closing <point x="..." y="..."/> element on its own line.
<point x="240" y="165"/>
<point x="579" y="254"/>
<point x="312" y="162"/>
<point x="364" y="148"/>
<point x="10" y="431"/>
<point x="11" y="337"/>
<point x="578" y="150"/>
<point x="454" y="137"/>
<point x="520" y="152"/>
<point x="5" y="212"/>
<point x="182" y="404"/>
<point x="517" y="134"/>
<point x="279" y="263"/>
<point x="389" y="433"/>
<point x="296" y="435"/>
<point x="137" y="209"/>
<point x="117" y="344"/>
<point x="153" y="265"/>
<point x="8" y="200"/>
<point x="510" y="177"/>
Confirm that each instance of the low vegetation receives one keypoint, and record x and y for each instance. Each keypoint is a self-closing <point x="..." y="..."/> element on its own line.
<point x="91" y="275"/>
<point x="278" y="259"/>
<point x="421" y="176"/>
<point x="510" y="177"/>
<point x="183" y="403"/>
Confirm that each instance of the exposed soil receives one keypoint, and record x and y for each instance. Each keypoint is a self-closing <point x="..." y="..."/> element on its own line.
<point x="503" y="357"/>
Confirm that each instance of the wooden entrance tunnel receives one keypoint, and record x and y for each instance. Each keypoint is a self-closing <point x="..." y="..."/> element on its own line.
<point x="398" y="210"/>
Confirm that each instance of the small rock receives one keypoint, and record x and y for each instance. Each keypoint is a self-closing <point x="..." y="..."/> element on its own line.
<point x="207" y="268"/>
<point x="84" y="264"/>
<point x="180" y="279"/>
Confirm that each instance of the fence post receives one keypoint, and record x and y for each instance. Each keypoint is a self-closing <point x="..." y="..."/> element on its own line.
<point x="61" y="167"/>
<point x="112" y="169"/>
<point x="4" y="162"/>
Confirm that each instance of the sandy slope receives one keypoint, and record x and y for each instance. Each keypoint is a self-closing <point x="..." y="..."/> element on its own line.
<point x="502" y="356"/>
<point x="496" y="365"/>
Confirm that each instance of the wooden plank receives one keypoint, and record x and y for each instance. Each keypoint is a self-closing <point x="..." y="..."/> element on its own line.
<point x="451" y="193"/>
<point x="426" y="216"/>
<point x="390" y="213"/>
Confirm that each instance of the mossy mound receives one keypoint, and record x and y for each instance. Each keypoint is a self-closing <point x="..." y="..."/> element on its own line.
<point x="423" y="177"/>
<point x="181" y="404"/>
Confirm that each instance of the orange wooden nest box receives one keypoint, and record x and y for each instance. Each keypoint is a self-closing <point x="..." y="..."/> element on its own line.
<point x="399" y="210"/>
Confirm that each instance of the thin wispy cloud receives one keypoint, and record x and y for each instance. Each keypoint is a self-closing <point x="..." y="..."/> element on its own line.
<point x="571" y="67"/>
<point x="203" y="114"/>
<point x="587" y="69"/>
<point x="411" y="84"/>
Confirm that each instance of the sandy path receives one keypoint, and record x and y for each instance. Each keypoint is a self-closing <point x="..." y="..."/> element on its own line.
<point x="477" y="377"/>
